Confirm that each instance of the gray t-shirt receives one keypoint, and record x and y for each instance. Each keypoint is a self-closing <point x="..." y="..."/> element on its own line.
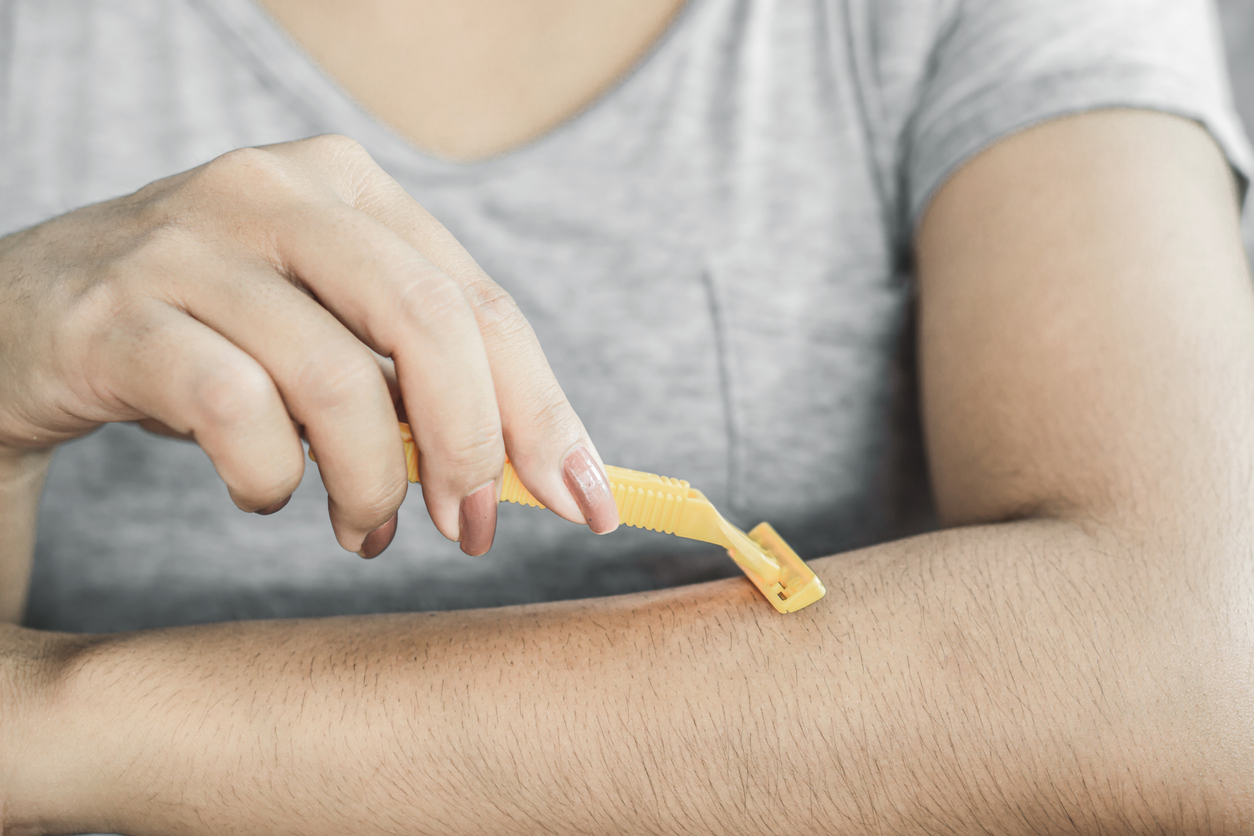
<point x="715" y="256"/>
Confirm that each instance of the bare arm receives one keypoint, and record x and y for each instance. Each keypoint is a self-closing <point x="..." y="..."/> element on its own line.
<point x="1009" y="679"/>
<point x="1076" y="659"/>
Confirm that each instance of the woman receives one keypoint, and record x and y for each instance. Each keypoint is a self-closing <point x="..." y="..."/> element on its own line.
<point x="714" y="217"/>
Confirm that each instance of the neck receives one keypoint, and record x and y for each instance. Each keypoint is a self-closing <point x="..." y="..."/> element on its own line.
<point x="470" y="79"/>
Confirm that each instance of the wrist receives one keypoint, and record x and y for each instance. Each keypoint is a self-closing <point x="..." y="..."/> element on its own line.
<point x="22" y="476"/>
<point x="45" y="760"/>
<point x="23" y="469"/>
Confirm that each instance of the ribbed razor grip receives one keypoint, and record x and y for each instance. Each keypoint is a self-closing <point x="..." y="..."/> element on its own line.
<point x="512" y="490"/>
<point x="646" y="500"/>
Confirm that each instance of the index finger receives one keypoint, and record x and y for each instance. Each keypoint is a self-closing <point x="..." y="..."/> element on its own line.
<point x="544" y="437"/>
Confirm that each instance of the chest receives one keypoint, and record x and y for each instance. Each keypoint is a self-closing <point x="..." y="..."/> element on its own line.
<point x="470" y="79"/>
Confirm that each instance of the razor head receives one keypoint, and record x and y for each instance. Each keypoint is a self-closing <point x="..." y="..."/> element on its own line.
<point x="790" y="586"/>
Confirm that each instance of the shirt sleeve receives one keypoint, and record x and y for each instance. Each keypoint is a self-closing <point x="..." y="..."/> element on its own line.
<point x="1004" y="65"/>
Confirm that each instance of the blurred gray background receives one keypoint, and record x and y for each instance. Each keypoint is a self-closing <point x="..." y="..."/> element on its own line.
<point x="1238" y="28"/>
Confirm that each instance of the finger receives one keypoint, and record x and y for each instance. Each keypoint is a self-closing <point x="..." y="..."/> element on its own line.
<point x="544" y="437"/>
<point x="330" y="383"/>
<point x="403" y="307"/>
<point x="191" y="380"/>
<point x="388" y="369"/>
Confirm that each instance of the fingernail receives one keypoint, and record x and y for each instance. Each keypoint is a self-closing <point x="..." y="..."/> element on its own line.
<point x="275" y="508"/>
<point x="378" y="540"/>
<point x="476" y="520"/>
<point x="587" y="484"/>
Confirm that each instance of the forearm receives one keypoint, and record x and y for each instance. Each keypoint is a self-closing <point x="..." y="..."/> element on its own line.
<point x="21" y="482"/>
<point x="1017" y="678"/>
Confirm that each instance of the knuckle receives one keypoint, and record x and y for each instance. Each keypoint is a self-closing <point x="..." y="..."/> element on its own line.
<point x="552" y="415"/>
<point x="248" y="158"/>
<point x="331" y="379"/>
<point x="337" y="147"/>
<point x="495" y="310"/>
<point x="354" y="173"/>
<point x="477" y="450"/>
<point x="233" y="397"/>
<point x="372" y="507"/>
<point x="430" y="300"/>
<point x="245" y="171"/>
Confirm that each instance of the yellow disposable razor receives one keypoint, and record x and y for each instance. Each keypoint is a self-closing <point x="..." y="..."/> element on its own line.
<point x="659" y="503"/>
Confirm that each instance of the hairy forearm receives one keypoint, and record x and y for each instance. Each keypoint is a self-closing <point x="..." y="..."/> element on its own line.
<point x="1017" y="678"/>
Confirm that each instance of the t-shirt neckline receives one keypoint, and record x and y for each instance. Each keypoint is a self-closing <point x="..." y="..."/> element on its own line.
<point x="292" y="73"/>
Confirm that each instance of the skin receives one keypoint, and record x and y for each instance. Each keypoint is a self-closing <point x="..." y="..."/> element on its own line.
<point x="245" y="303"/>
<point x="1070" y="656"/>
<point x="476" y="78"/>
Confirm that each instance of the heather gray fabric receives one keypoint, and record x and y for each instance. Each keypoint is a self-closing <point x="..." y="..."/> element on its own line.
<point x="1237" y="19"/>
<point x="714" y="256"/>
